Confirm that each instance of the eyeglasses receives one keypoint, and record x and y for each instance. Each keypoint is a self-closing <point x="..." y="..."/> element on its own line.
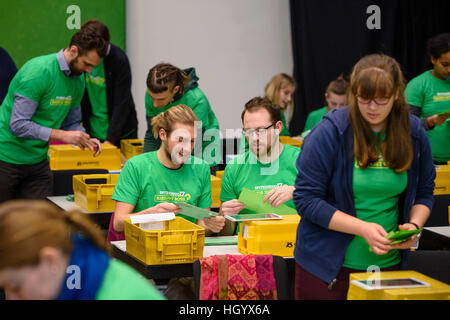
<point x="379" y="101"/>
<point x="250" y="132"/>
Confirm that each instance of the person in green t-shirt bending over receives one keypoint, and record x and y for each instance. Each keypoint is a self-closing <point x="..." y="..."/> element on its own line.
<point x="335" y="97"/>
<point x="267" y="168"/>
<point x="43" y="96"/>
<point x="154" y="181"/>
<point x="168" y="86"/>
<point x="428" y="97"/>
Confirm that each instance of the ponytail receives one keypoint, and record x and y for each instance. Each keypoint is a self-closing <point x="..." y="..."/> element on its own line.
<point x="27" y="226"/>
<point x="165" y="76"/>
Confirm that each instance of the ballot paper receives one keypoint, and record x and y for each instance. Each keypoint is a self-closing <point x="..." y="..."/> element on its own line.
<point x="195" y="212"/>
<point x="254" y="201"/>
<point x="152" y="221"/>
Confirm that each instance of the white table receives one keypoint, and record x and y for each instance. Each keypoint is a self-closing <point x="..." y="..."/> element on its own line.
<point x="100" y="218"/>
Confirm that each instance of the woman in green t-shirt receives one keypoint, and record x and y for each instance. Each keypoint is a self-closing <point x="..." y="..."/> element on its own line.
<point x="280" y="90"/>
<point x="428" y="97"/>
<point x="335" y="97"/>
<point x="154" y="181"/>
<point x="48" y="253"/>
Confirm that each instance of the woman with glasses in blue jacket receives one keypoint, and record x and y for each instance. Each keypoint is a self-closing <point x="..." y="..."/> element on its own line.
<point x="365" y="170"/>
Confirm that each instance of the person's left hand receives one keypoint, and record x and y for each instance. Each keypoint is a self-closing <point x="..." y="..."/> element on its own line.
<point x="215" y="224"/>
<point x="408" y="243"/>
<point x="279" y="195"/>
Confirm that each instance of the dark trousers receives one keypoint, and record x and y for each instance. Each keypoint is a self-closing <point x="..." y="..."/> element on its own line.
<point x="309" y="287"/>
<point x="25" y="181"/>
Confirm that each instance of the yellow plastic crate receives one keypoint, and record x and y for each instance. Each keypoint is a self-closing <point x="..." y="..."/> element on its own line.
<point x="437" y="290"/>
<point x="290" y="141"/>
<point x="95" y="197"/>
<point x="69" y="157"/>
<point x="219" y="173"/>
<point x="276" y="237"/>
<point x="215" y="190"/>
<point x="131" y="147"/>
<point x="181" y="241"/>
<point x="442" y="181"/>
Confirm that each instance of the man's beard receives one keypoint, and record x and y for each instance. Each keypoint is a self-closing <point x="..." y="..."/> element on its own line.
<point x="73" y="70"/>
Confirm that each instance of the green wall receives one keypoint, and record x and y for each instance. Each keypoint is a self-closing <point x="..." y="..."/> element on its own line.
<point x="30" y="28"/>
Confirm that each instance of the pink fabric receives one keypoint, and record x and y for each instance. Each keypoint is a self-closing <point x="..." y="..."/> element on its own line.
<point x="209" y="284"/>
<point x="112" y="234"/>
<point x="237" y="277"/>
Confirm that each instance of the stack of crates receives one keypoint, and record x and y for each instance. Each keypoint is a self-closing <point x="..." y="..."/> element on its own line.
<point x="216" y="183"/>
<point x="178" y="241"/>
<point x="93" y="192"/>
<point x="276" y="237"/>
<point x="69" y="157"/>
<point x="131" y="147"/>
<point x="290" y="141"/>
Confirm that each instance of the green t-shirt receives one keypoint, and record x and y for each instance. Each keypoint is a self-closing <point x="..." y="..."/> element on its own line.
<point x="284" y="129"/>
<point x="144" y="182"/>
<point x="245" y="171"/>
<point x="41" y="80"/>
<point x="313" y="118"/>
<point x="121" y="282"/>
<point x="96" y="89"/>
<point x="197" y="101"/>
<point x="433" y="96"/>
<point x="376" y="192"/>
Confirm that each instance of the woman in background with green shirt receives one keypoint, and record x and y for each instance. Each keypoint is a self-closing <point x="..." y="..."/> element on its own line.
<point x="335" y="97"/>
<point x="154" y="181"/>
<point x="280" y="90"/>
<point x="48" y="253"/>
<point x="428" y="96"/>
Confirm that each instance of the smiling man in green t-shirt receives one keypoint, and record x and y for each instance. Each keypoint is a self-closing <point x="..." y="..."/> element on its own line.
<point x="45" y="95"/>
<point x="154" y="181"/>
<point x="267" y="168"/>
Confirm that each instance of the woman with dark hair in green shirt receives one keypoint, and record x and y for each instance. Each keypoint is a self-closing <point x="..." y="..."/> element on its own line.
<point x="428" y="97"/>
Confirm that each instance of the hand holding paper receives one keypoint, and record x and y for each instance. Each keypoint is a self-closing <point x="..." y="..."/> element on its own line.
<point x="232" y="207"/>
<point x="279" y="195"/>
<point x="255" y="201"/>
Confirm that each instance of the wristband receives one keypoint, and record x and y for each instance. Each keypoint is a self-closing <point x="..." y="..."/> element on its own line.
<point x="414" y="224"/>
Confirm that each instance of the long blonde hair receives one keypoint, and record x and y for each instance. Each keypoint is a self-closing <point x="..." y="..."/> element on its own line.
<point x="273" y="88"/>
<point x="27" y="226"/>
<point x="176" y="114"/>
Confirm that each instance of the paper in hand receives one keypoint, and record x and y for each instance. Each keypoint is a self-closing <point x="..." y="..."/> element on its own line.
<point x="254" y="201"/>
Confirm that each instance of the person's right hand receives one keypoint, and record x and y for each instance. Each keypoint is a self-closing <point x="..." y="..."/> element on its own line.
<point x="437" y="120"/>
<point x="232" y="207"/>
<point x="375" y="234"/>
<point x="166" y="207"/>
<point x="80" y="139"/>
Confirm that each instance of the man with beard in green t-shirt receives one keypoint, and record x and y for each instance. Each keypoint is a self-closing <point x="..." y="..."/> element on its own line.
<point x="43" y="96"/>
<point x="154" y="181"/>
<point x="267" y="168"/>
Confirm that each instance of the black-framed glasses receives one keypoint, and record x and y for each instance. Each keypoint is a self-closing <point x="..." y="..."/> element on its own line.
<point x="379" y="101"/>
<point x="251" y="132"/>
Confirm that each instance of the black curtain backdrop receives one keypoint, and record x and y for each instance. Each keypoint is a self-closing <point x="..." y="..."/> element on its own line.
<point x="329" y="37"/>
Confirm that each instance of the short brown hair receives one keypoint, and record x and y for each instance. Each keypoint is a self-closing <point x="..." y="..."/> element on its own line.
<point x="263" y="103"/>
<point x="163" y="75"/>
<point x="93" y="35"/>
<point x="176" y="114"/>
